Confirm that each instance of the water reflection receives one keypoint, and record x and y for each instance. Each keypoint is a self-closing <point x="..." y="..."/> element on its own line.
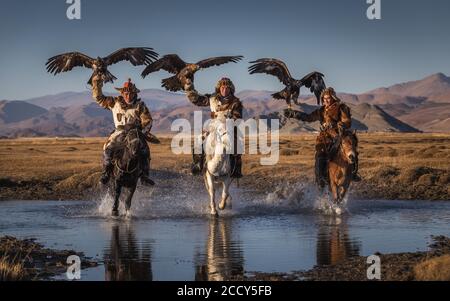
<point x="334" y="244"/>
<point x="126" y="259"/>
<point x="223" y="258"/>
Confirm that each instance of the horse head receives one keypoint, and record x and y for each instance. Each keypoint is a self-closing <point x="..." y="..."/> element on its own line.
<point x="349" y="143"/>
<point x="218" y="147"/>
<point x="128" y="160"/>
<point x="219" y="140"/>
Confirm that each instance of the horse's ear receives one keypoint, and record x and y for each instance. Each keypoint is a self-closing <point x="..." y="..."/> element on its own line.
<point x="354" y="132"/>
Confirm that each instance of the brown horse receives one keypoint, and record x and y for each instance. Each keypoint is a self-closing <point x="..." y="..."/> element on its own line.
<point x="340" y="165"/>
<point x="127" y="169"/>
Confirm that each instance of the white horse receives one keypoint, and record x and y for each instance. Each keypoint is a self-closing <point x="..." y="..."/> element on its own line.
<point x="218" y="148"/>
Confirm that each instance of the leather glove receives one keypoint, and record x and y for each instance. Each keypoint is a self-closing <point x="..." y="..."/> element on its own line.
<point x="289" y="113"/>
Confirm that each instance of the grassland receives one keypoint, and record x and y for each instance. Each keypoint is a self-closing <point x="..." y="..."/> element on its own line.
<point x="393" y="166"/>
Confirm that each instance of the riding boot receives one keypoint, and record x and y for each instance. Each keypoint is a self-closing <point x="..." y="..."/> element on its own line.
<point x="321" y="171"/>
<point x="198" y="162"/>
<point x="145" y="179"/>
<point x="107" y="166"/>
<point x="355" y="176"/>
<point x="236" y="166"/>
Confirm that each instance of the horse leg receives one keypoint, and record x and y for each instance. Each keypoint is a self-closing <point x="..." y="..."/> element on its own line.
<point x="131" y="191"/>
<point x="226" y="197"/>
<point x="209" y="182"/>
<point x="117" y="191"/>
<point x="334" y="191"/>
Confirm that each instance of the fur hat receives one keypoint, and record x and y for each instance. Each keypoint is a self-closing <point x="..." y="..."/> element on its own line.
<point x="225" y="81"/>
<point x="128" y="87"/>
<point x="329" y="91"/>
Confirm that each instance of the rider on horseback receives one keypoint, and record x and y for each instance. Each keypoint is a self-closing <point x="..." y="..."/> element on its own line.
<point x="335" y="118"/>
<point x="128" y="112"/>
<point x="222" y="103"/>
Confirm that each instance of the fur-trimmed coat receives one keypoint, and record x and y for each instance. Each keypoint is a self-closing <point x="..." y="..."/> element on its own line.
<point x="220" y="107"/>
<point x="135" y="113"/>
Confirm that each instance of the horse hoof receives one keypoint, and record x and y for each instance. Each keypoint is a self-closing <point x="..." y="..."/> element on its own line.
<point x="222" y="205"/>
<point x="214" y="214"/>
<point x="225" y="203"/>
<point x="128" y="214"/>
<point x="115" y="213"/>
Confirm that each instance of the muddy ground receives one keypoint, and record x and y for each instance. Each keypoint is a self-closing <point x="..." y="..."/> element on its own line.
<point x="431" y="265"/>
<point x="24" y="260"/>
<point x="393" y="166"/>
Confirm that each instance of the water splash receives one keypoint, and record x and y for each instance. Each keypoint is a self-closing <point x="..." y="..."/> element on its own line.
<point x="307" y="196"/>
<point x="188" y="198"/>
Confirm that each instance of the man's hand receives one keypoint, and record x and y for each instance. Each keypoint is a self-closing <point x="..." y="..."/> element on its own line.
<point x="288" y="113"/>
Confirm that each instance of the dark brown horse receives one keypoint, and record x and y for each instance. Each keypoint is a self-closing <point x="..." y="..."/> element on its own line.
<point x="340" y="165"/>
<point x="127" y="168"/>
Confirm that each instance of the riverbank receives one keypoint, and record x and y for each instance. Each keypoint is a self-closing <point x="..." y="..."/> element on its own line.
<point x="393" y="166"/>
<point x="431" y="265"/>
<point x="23" y="260"/>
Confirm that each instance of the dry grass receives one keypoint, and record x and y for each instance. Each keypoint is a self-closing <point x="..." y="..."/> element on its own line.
<point x="11" y="270"/>
<point x="435" y="269"/>
<point x="394" y="166"/>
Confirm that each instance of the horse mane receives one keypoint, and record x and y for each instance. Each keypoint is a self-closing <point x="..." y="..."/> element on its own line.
<point x="352" y="135"/>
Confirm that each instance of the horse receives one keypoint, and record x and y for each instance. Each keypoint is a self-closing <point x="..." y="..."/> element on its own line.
<point x="342" y="158"/>
<point x="127" y="168"/>
<point x="217" y="171"/>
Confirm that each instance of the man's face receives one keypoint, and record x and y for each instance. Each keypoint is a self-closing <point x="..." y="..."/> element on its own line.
<point x="225" y="91"/>
<point x="327" y="100"/>
<point x="128" y="96"/>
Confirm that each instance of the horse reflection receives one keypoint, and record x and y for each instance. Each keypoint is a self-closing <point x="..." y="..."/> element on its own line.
<point x="125" y="259"/>
<point x="224" y="258"/>
<point x="334" y="244"/>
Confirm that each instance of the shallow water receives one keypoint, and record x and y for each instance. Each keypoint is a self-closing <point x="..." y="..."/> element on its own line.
<point x="185" y="244"/>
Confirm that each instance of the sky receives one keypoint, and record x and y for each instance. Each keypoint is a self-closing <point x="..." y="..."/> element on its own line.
<point x="411" y="41"/>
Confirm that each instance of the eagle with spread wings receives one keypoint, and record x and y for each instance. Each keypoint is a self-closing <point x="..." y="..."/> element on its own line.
<point x="172" y="63"/>
<point x="67" y="61"/>
<point x="314" y="80"/>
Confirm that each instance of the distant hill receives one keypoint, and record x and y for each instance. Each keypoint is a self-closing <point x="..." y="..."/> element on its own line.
<point x="154" y="98"/>
<point x="365" y="117"/>
<point x="15" y="111"/>
<point x="417" y="105"/>
<point x="432" y="87"/>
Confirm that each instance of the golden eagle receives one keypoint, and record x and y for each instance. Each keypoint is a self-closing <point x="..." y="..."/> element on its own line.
<point x="174" y="64"/>
<point x="313" y="81"/>
<point x="67" y="61"/>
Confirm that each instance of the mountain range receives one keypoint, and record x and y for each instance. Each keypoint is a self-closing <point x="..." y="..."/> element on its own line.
<point x="421" y="105"/>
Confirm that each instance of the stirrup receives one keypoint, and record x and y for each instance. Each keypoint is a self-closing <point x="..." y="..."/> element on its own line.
<point x="237" y="175"/>
<point x="147" y="181"/>
<point x="196" y="169"/>
<point x="356" y="177"/>
<point x="106" y="175"/>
